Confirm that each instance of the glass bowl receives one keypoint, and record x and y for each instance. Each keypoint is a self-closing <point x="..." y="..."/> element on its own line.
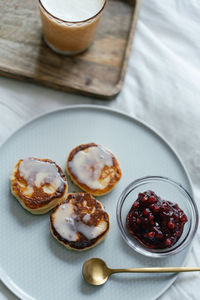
<point x="169" y="190"/>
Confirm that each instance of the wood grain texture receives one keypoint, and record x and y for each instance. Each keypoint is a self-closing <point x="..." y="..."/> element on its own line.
<point x="98" y="72"/>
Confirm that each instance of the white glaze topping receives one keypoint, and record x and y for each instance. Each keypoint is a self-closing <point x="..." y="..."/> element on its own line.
<point x="68" y="224"/>
<point x="86" y="218"/>
<point x="87" y="166"/>
<point x="38" y="173"/>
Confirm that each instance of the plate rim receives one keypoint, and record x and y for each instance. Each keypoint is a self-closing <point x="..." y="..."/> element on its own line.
<point x="6" y="280"/>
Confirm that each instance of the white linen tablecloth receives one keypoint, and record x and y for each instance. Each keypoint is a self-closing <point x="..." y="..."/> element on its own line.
<point x="162" y="87"/>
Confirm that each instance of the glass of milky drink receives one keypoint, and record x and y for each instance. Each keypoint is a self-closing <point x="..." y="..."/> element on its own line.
<point x="69" y="25"/>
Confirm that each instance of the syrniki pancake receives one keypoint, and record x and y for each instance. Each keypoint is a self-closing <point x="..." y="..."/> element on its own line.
<point x="38" y="184"/>
<point x="80" y="222"/>
<point x="93" y="168"/>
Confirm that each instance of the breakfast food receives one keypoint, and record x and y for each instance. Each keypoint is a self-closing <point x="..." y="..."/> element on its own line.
<point x="154" y="222"/>
<point x="69" y="26"/>
<point x="93" y="168"/>
<point x="38" y="184"/>
<point x="80" y="222"/>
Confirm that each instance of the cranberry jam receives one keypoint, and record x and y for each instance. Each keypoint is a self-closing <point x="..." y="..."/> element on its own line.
<point x="154" y="222"/>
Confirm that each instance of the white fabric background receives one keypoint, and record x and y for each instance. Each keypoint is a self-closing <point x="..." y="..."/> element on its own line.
<point x="162" y="87"/>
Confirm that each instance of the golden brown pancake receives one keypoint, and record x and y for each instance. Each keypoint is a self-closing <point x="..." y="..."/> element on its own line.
<point x="80" y="222"/>
<point x="93" y="168"/>
<point x="38" y="184"/>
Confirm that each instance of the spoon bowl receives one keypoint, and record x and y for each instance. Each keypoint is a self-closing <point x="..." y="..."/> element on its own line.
<point x="95" y="271"/>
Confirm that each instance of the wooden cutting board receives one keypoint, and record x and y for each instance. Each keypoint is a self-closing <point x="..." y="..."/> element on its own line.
<point x="98" y="72"/>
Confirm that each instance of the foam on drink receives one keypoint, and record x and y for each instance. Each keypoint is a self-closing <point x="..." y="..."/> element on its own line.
<point x="73" y="10"/>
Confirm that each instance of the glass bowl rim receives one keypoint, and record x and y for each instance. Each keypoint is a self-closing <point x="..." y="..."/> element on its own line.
<point x="149" y="252"/>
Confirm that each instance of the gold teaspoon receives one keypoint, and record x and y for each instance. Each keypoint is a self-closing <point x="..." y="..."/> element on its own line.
<point x="96" y="272"/>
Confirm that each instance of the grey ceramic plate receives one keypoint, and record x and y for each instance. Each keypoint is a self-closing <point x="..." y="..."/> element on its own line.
<point x="32" y="263"/>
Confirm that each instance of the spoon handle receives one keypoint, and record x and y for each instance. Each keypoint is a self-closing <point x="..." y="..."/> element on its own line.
<point x="154" y="270"/>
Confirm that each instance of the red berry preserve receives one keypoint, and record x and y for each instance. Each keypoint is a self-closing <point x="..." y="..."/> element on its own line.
<point x="154" y="222"/>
